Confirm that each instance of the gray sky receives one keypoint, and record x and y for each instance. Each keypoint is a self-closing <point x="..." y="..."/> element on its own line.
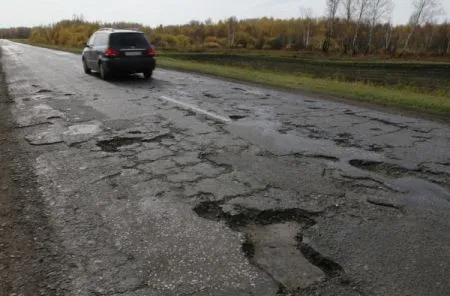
<point x="153" y="13"/>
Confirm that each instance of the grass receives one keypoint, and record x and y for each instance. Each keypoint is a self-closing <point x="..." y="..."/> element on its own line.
<point x="398" y="96"/>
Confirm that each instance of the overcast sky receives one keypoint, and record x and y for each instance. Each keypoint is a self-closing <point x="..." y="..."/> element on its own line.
<point x="155" y="12"/>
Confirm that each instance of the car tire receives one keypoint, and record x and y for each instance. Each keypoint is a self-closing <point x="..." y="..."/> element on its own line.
<point x="86" y="68"/>
<point x="148" y="75"/>
<point x="104" y="72"/>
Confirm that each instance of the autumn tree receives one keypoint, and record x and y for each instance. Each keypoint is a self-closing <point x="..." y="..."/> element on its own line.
<point x="348" y="7"/>
<point x="232" y="28"/>
<point x="332" y="7"/>
<point x="361" y="9"/>
<point x="306" y="15"/>
<point x="360" y="24"/>
<point x="378" y="11"/>
<point x="423" y="11"/>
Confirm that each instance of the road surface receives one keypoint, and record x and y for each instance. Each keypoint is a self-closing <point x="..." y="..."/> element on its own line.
<point x="190" y="185"/>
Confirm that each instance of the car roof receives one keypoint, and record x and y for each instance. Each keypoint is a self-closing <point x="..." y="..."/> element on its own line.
<point x="112" y="31"/>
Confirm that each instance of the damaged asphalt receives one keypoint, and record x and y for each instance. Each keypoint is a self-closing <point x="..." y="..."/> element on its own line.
<point x="189" y="185"/>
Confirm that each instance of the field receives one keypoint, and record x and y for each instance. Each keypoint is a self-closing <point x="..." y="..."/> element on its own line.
<point x="419" y="86"/>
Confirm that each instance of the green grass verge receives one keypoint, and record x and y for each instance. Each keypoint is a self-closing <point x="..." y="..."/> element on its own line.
<point x="386" y="96"/>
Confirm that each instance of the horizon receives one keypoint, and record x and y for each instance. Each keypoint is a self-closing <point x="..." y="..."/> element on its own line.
<point x="198" y="10"/>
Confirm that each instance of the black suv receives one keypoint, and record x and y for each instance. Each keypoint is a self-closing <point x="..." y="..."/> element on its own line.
<point x="110" y="51"/>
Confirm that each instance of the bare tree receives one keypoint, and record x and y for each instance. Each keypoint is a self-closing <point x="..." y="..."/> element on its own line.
<point x="423" y="11"/>
<point x="378" y="11"/>
<point x="209" y="22"/>
<point x="430" y="32"/>
<point x="306" y="14"/>
<point x="348" y="7"/>
<point x="361" y="12"/>
<point x="332" y="7"/>
<point x="232" y="28"/>
<point x="387" y="37"/>
<point x="446" y="48"/>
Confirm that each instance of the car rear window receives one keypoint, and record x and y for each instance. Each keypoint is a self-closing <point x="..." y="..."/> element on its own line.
<point x="128" y="40"/>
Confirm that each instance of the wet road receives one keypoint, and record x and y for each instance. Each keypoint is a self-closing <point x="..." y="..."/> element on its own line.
<point x="189" y="185"/>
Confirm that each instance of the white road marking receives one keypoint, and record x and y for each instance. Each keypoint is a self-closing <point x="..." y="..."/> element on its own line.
<point x="196" y="109"/>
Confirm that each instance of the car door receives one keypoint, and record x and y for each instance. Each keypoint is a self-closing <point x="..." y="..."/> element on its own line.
<point x="88" y="54"/>
<point x="100" y="45"/>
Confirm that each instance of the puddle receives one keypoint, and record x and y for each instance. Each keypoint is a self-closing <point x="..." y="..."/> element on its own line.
<point x="265" y="134"/>
<point x="275" y="249"/>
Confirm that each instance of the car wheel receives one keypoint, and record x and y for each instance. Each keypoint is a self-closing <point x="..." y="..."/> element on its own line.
<point x="148" y="75"/>
<point x="86" y="68"/>
<point x="104" y="72"/>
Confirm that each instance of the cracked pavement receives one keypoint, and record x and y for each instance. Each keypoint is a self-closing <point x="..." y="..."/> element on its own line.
<point x="190" y="185"/>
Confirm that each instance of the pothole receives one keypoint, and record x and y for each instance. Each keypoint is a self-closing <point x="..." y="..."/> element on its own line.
<point x="112" y="145"/>
<point x="397" y="172"/>
<point x="382" y="167"/>
<point x="237" y="117"/>
<point x="240" y="217"/>
<point x="239" y="89"/>
<point x="271" y="242"/>
<point x="343" y="139"/>
<point x="209" y="95"/>
<point x="328" y="266"/>
<point x="375" y="148"/>
<point x="43" y="91"/>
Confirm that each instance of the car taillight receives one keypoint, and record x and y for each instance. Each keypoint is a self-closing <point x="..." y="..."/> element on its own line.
<point x="111" y="52"/>
<point x="151" y="51"/>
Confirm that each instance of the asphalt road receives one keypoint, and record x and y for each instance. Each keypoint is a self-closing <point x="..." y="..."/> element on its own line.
<point x="189" y="185"/>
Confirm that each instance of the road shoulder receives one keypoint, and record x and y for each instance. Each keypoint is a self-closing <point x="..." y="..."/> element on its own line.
<point x="26" y="256"/>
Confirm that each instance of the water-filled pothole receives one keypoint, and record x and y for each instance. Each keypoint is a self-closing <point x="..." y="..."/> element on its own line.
<point x="272" y="243"/>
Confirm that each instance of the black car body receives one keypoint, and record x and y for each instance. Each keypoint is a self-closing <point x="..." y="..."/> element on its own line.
<point x="111" y="51"/>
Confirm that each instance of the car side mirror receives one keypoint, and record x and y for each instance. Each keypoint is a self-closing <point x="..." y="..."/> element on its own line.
<point x="86" y="45"/>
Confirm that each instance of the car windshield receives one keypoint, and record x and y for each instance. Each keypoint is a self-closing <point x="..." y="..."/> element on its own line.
<point x="128" y="40"/>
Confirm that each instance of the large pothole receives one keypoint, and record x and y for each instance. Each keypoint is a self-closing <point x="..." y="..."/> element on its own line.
<point x="273" y="243"/>
<point x="382" y="167"/>
<point x="112" y="144"/>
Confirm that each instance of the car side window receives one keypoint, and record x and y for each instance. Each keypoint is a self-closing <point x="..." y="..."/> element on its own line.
<point x="91" y="40"/>
<point x="101" y="40"/>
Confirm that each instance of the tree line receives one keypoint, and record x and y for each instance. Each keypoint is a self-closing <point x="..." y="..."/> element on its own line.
<point x="349" y="27"/>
